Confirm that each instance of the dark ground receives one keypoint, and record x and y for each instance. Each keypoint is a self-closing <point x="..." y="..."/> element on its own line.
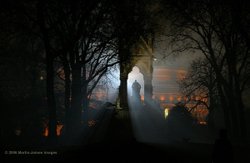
<point x="119" y="145"/>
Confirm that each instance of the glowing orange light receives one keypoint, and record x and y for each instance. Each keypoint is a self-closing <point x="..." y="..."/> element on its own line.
<point x="203" y="123"/>
<point x="46" y="132"/>
<point x="171" y="98"/>
<point x="162" y="98"/>
<point x="91" y="123"/>
<point x="58" y="130"/>
<point x="181" y="74"/>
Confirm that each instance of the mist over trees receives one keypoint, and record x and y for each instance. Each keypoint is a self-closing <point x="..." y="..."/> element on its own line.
<point x="219" y="32"/>
<point x="87" y="48"/>
<point x="77" y="41"/>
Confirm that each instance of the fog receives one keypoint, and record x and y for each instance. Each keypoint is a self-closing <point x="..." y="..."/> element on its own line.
<point x="151" y="126"/>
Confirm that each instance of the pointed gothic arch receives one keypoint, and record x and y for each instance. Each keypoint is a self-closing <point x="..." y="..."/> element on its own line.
<point x="135" y="74"/>
<point x="142" y="57"/>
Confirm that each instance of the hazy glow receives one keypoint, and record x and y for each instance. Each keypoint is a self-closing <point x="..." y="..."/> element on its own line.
<point x="91" y="123"/>
<point x="115" y="83"/>
<point x="165" y="87"/>
<point x="132" y="76"/>
<point x="171" y="98"/>
<point x="203" y="123"/>
<point x="179" y="98"/>
<point x="58" y="130"/>
<point x="148" y="121"/>
<point x="18" y="132"/>
<point x="162" y="98"/>
<point x="166" y="113"/>
<point x="181" y="74"/>
<point x="107" y="88"/>
<point x="115" y="78"/>
<point x="142" y="98"/>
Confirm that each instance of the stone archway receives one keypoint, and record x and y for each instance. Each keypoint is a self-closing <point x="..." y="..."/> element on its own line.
<point x="135" y="74"/>
<point x="142" y="57"/>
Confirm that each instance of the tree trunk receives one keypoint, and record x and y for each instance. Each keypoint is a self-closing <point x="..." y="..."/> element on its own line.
<point x="226" y="109"/>
<point x="234" y="95"/>
<point x="67" y="94"/>
<point x="242" y="119"/>
<point x="123" y="94"/>
<point x="240" y="110"/>
<point x="85" y="96"/>
<point x="76" y="104"/>
<point x="124" y="55"/>
<point x="51" y="97"/>
<point x="49" y="70"/>
<point x="234" y="117"/>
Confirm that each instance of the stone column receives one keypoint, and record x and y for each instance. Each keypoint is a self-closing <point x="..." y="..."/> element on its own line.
<point x="148" y="88"/>
<point x="147" y="71"/>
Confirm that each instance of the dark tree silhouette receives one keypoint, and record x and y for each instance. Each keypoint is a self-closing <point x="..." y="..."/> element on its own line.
<point x="213" y="29"/>
<point x="180" y="122"/>
<point x="22" y="71"/>
<point x="133" y="22"/>
<point x="86" y="36"/>
<point x="49" y="69"/>
<point x="81" y="34"/>
<point x="199" y="87"/>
